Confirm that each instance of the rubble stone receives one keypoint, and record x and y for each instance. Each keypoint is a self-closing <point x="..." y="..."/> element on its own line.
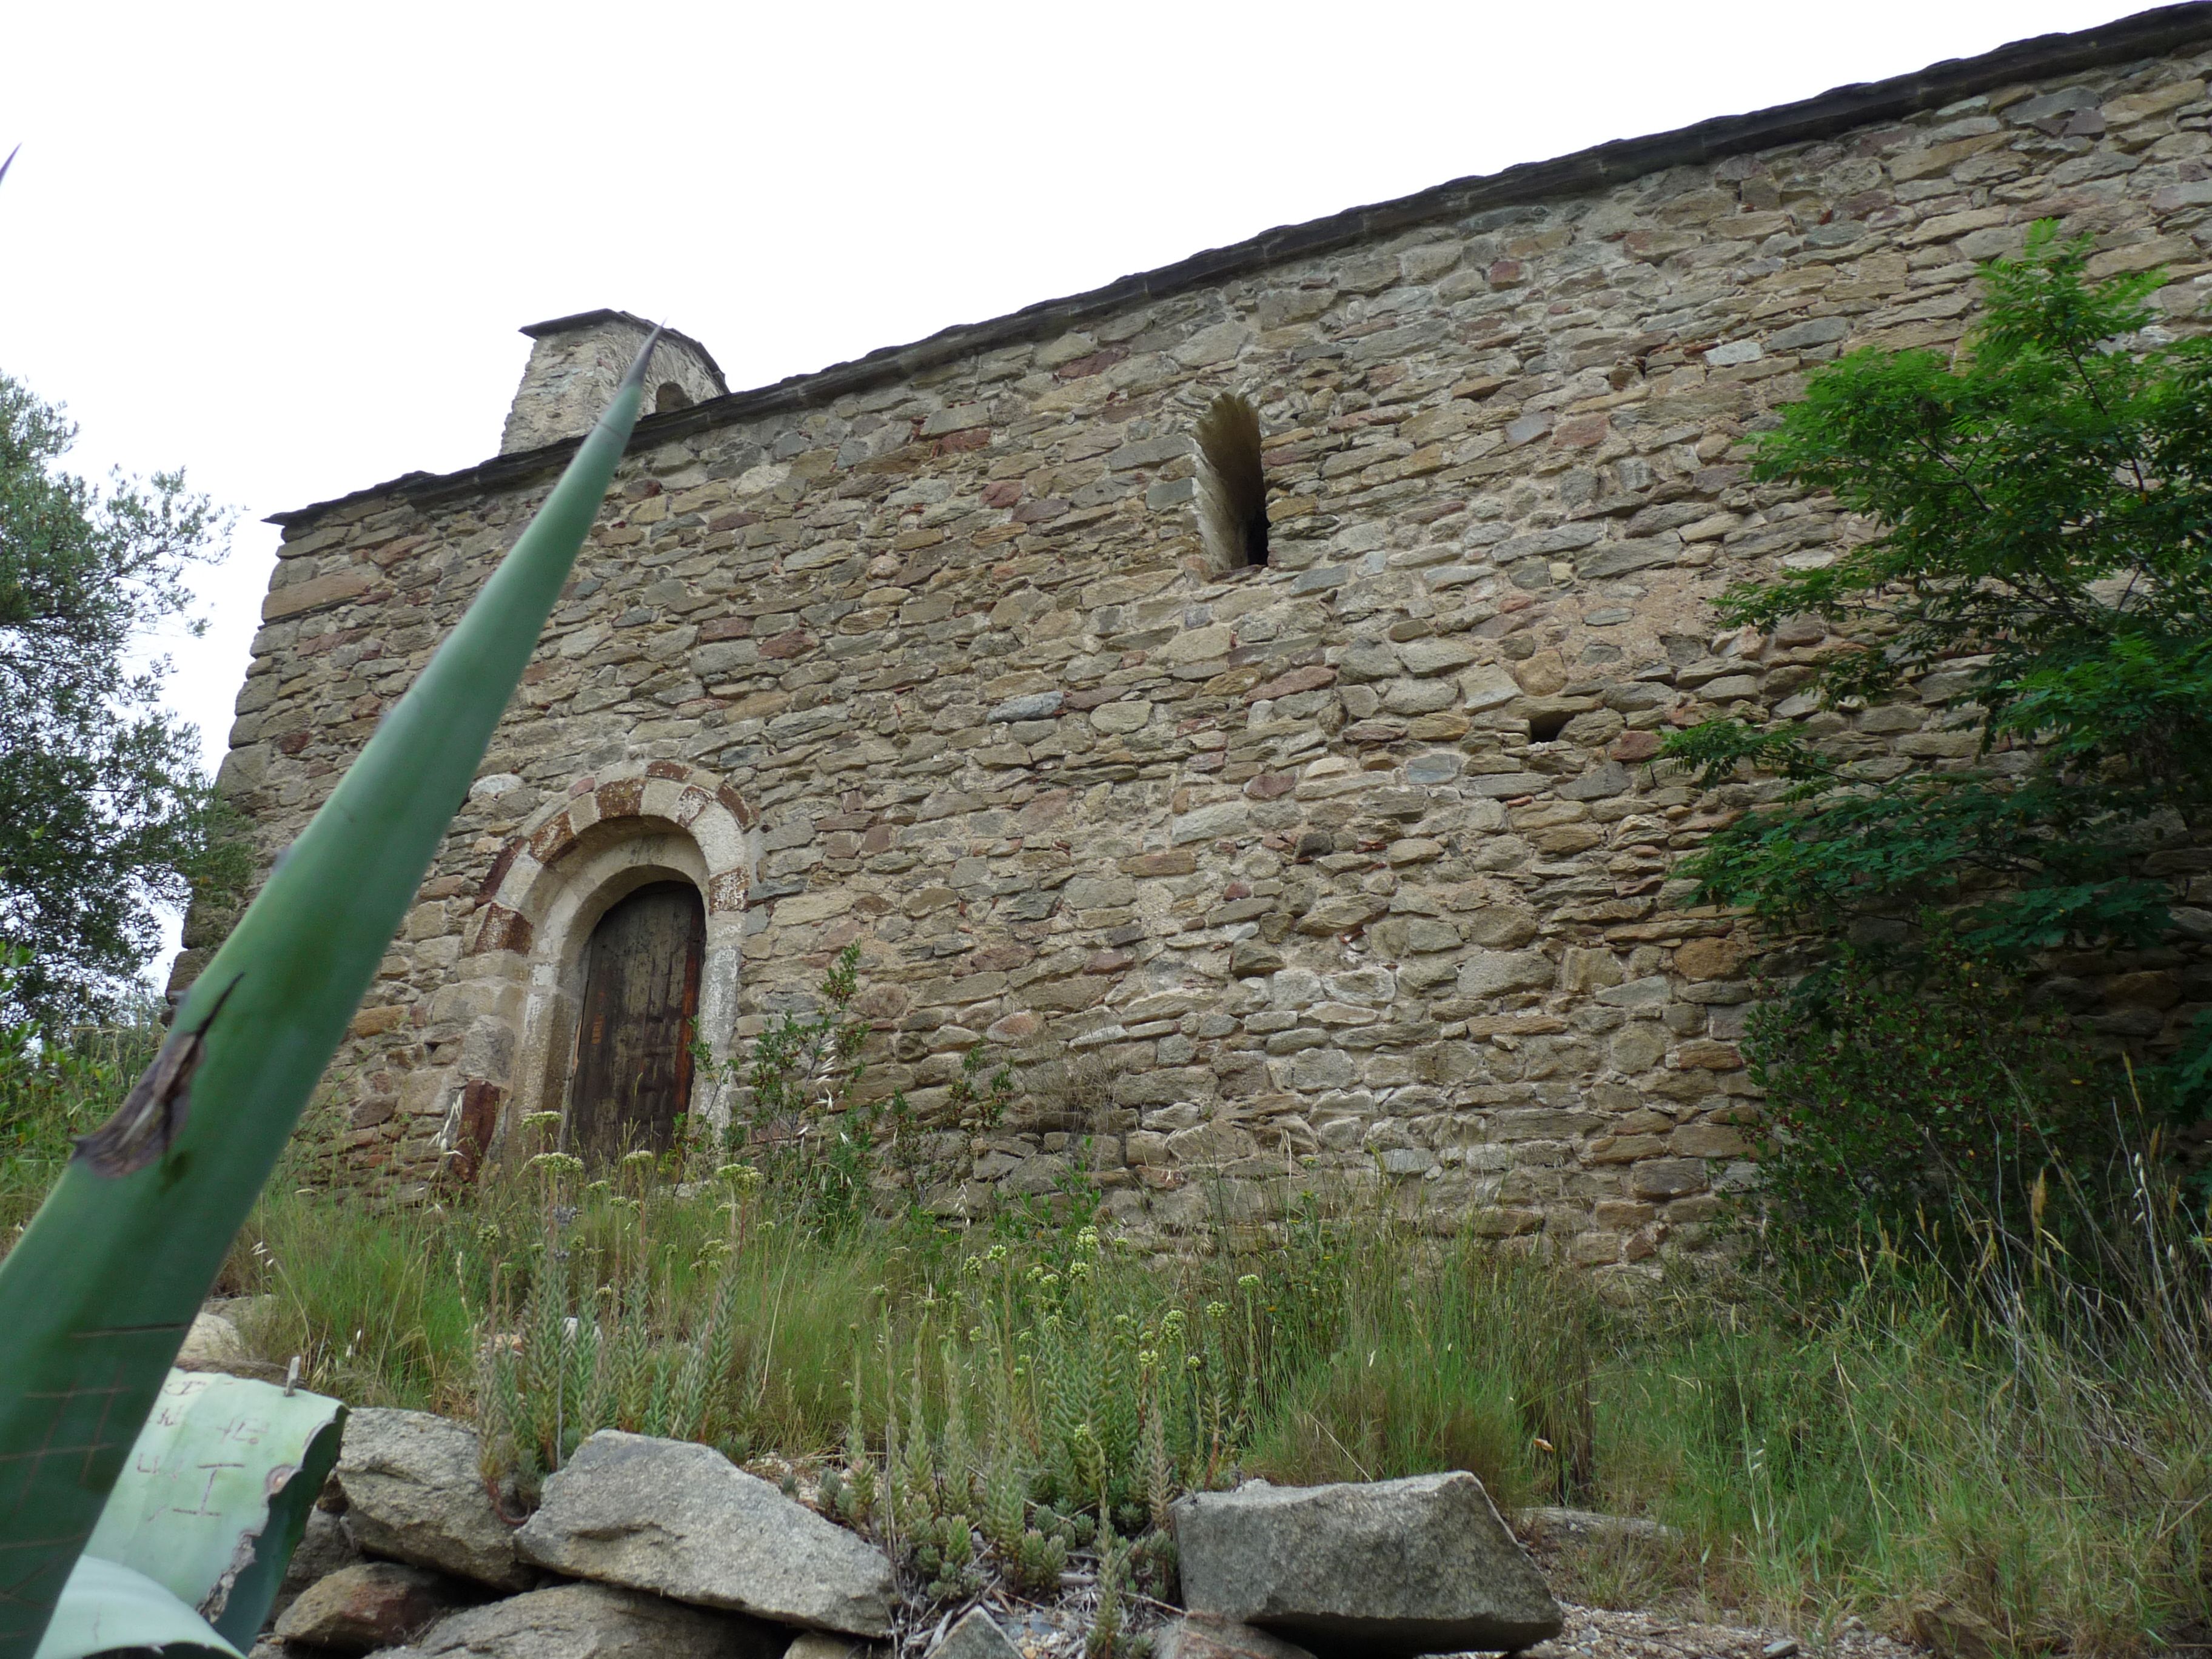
<point x="683" y="1521"/>
<point x="1417" y="1566"/>
<point x="375" y="1604"/>
<point x="415" y="1492"/>
<point x="593" y="1621"/>
<point x="1194" y="1635"/>
<point x="975" y="1635"/>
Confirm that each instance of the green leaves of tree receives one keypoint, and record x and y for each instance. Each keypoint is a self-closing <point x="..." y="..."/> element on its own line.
<point x="2043" y="536"/>
<point x="105" y="813"/>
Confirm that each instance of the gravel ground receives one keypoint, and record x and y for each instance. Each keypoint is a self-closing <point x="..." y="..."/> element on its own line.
<point x="1597" y="1633"/>
<point x="1056" y="1629"/>
<point x="1056" y="1632"/>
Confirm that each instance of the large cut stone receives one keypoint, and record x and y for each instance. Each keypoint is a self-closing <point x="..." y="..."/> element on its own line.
<point x="1195" y="1636"/>
<point x="373" y="1605"/>
<point x="415" y="1492"/>
<point x="978" y="1636"/>
<point x="821" y="1645"/>
<point x="683" y="1521"/>
<point x="1394" y="1567"/>
<point x="593" y="1621"/>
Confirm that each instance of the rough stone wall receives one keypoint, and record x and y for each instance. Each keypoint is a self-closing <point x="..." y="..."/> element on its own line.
<point x="1345" y="870"/>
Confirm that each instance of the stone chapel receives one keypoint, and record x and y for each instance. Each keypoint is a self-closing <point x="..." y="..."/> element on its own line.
<point x="1349" y="869"/>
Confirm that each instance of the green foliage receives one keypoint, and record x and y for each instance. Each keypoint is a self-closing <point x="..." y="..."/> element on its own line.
<point x="56" y="1085"/>
<point x="799" y="1114"/>
<point x="805" y="1125"/>
<point x="97" y="1294"/>
<point x="586" y="1358"/>
<point x="1919" y="1096"/>
<point x="2044" y="505"/>
<point x="106" y="817"/>
<point x="2024" y="1437"/>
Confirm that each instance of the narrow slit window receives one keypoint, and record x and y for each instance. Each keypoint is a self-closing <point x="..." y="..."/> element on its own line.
<point x="1232" y="485"/>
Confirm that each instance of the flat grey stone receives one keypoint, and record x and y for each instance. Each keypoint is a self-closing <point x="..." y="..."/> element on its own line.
<point x="415" y="1492"/>
<point x="1419" y="1565"/>
<point x="976" y="1636"/>
<point x="1813" y="330"/>
<point x="1195" y="1636"/>
<point x="683" y="1521"/>
<point x="821" y="1645"/>
<point x="593" y="1621"/>
<point x="1037" y="705"/>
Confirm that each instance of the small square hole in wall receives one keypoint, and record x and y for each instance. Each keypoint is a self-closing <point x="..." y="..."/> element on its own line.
<point x="1546" y="727"/>
<point x="1232" y="484"/>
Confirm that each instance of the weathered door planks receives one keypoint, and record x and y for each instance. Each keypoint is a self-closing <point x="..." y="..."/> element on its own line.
<point x="633" y="1072"/>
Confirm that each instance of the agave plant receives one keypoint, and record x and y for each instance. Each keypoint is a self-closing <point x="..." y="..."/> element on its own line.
<point x="193" y="1542"/>
<point x="96" y="1297"/>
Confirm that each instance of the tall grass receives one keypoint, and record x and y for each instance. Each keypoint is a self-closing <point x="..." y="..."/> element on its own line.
<point x="2016" y="1457"/>
<point x="2020" y="1458"/>
<point x="55" y="1086"/>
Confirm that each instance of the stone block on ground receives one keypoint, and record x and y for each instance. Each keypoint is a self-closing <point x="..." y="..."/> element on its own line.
<point x="593" y="1621"/>
<point x="375" y="1604"/>
<point x="1419" y="1565"/>
<point x="415" y="1492"/>
<point x="1194" y="1635"/>
<point x="821" y="1645"/>
<point x="215" y="1344"/>
<point x="323" y="1549"/>
<point x="683" y="1521"/>
<point x="975" y="1635"/>
<point x="213" y="1340"/>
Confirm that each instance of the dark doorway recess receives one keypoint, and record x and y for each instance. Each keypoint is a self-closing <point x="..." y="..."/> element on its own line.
<point x="634" y="1044"/>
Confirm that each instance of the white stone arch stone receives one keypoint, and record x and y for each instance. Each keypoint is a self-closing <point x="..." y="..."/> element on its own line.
<point x="523" y="960"/>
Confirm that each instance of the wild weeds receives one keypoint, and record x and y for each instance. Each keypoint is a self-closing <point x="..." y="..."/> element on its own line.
<point x="2026" y="1452"/>
<point x="56" y="1085"/>
<point x="2016" y="1452"/>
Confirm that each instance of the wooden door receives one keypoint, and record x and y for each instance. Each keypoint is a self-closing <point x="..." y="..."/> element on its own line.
<point x="632" y="1073"/>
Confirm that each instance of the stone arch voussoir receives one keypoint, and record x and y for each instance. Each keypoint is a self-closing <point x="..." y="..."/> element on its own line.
<point x="638" y="820"/>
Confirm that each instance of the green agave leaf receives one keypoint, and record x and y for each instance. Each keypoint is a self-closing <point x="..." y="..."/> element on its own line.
<point x="96" y="1297"/>
<point x="215" y="1494"/>
<point x="106" y="1605"/>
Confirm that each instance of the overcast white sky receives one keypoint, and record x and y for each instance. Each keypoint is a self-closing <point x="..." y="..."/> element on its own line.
<point x="286" y="247"/>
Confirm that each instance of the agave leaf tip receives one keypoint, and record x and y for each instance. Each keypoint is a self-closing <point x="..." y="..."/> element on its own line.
<point x="636" y="375"/>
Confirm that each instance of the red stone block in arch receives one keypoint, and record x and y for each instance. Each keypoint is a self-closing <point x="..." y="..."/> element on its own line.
<point x="713" y="814"/>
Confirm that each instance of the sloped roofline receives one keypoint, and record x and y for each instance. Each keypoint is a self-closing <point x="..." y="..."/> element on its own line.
<point x="2145" y="34"/>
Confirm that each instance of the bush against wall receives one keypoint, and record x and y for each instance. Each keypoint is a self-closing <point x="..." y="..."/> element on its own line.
<point x="2039" y="571"/>
<point x="1919" y="1095"/>
<point x="2044" y="547"/>
<point x="56" y="1083"/>
<point x="798" y="1113"/>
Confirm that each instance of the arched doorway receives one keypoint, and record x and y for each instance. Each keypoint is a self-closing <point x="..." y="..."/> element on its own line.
<point x="632" y="1076"/>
